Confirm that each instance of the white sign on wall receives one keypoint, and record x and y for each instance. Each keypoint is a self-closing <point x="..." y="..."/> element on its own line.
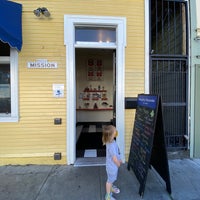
<point x="58" y="90"/>
<point x="41" y="64"/>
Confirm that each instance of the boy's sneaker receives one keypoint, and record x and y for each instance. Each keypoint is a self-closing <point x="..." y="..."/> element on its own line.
<point x="109" y="197"/>
<point x="115" y="189"/>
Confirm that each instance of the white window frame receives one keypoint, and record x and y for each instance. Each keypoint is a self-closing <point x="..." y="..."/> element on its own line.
<point x="70" y="22"/>
<point x="13" y="61"/>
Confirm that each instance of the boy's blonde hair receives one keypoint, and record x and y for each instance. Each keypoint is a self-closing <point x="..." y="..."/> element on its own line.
<point x="107" y="133"/>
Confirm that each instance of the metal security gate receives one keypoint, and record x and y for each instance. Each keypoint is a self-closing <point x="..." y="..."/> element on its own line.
<point x="169" y="67"/>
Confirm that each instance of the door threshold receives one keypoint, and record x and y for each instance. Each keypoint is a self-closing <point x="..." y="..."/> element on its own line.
<point x="90" y="161"/>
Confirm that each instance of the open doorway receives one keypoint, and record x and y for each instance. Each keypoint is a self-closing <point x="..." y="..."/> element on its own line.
<point x="95" y="99"/>
<point x="76" y="24"/>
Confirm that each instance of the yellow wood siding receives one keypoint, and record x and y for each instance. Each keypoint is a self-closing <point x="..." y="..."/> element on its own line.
<point x="35" y="138"/>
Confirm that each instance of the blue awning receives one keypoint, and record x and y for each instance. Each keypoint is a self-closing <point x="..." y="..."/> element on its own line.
<point x="11" y="23"/>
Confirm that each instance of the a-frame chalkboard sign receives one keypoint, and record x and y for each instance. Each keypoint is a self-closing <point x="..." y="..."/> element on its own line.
<point x="148" y="142"/>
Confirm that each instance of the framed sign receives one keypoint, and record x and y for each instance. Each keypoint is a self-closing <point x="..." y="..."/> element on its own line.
<point x="94" y="69"/>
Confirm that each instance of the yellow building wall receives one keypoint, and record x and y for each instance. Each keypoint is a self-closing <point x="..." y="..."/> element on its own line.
<point x="35" y="138"/>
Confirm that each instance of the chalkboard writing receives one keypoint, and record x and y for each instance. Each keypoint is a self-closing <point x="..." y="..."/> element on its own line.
<point x="143" y="138"/>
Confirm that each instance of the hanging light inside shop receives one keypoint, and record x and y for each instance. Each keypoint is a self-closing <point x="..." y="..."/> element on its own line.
<point x="44" y="11"/>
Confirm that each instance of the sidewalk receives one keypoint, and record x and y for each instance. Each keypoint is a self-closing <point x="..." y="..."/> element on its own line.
<point x="36" y="182"/>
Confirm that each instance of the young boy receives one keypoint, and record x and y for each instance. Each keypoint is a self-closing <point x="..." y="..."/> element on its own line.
<point x="113" y="160"/>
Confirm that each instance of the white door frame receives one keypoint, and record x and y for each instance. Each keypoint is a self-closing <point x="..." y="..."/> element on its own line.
<point x="70" y="21"/>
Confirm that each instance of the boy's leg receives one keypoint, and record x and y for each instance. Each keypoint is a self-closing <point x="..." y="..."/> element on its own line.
<point x="108" y="187"/>
<point x="109" y="183"/>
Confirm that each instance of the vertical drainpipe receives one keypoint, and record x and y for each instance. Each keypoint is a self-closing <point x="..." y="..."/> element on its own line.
<point x="192" y="78"/>
<point x="194" y="46"/>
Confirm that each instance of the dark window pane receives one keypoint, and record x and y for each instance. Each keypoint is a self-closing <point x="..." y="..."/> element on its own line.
<point x="5" y="95"/>
<point x="4" y="49"/>
<point x="168" y="27"/>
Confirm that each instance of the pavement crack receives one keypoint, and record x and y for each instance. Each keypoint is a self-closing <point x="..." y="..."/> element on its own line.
<point x="44" y="182"/>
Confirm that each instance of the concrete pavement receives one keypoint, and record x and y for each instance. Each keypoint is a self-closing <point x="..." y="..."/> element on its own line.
<point x="62" y="182"/>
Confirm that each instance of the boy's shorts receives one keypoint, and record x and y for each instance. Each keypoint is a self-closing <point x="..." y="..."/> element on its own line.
<point x="112" y="177"/>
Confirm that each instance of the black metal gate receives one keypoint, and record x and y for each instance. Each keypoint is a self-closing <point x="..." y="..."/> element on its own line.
<point x="169" y="67"/>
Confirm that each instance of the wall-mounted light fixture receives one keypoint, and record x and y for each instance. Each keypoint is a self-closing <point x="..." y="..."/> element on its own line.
<point x="44" y="11"/>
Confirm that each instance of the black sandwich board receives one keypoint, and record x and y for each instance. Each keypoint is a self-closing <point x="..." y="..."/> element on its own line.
<point x="148" y="142"/>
